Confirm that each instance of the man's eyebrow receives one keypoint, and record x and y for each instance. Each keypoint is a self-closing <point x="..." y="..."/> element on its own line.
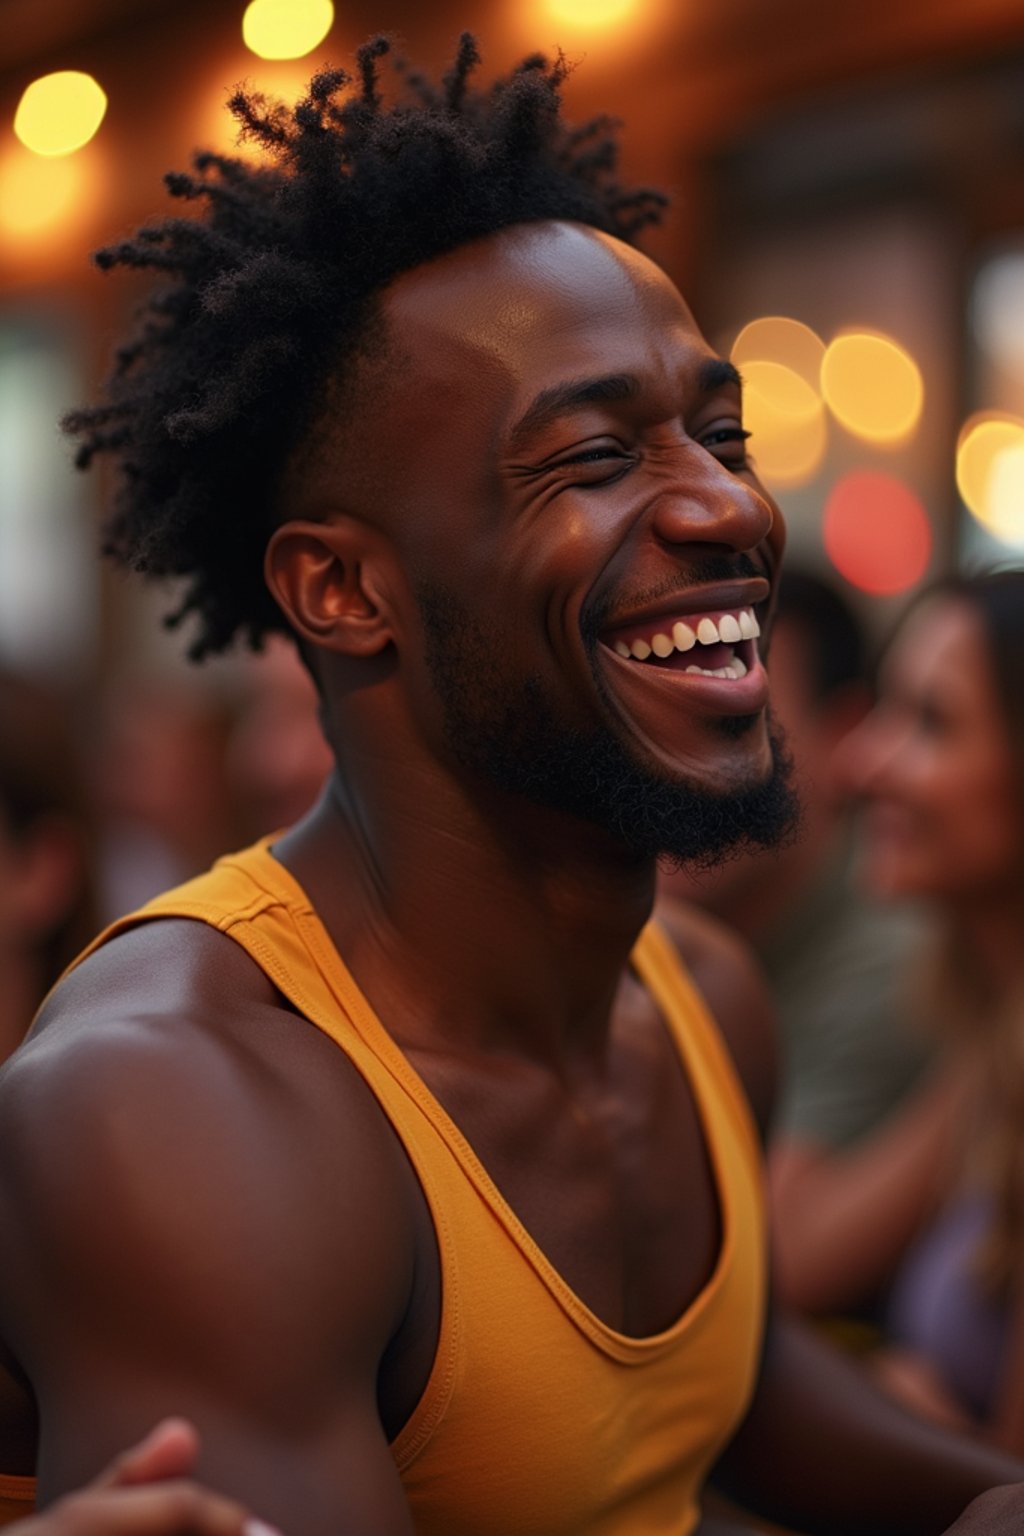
<point x="560" y="399"/>
<point x="715" y="373"/>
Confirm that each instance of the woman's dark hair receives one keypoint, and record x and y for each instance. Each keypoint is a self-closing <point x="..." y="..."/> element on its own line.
<point x="987" y="1010"/>
<point x="42" y="783"/>
<point x="997" y="597"/>
<point x="269" y="297"/>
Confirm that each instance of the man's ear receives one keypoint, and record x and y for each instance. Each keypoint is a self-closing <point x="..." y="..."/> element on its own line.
<point x="329" y="578"/>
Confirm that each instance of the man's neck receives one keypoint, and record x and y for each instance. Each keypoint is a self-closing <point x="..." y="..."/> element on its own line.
<point x="474" y="920"/>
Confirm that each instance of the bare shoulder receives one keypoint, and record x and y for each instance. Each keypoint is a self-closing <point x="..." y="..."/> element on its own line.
<point x="170" y="1115"/>
<point x="731" y="980"/>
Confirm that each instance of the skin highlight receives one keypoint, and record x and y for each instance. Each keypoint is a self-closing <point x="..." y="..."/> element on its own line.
<point x="415" y="865"/>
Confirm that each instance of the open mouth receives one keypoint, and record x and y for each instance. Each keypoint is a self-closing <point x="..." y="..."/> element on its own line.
<point x="717" y="644"/>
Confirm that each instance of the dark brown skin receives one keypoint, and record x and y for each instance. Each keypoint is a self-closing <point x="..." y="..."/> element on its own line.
<point x="206" y="1211"/>
<point x="146" y="1491"/>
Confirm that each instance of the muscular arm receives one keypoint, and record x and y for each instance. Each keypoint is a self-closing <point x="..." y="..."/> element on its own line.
<point x="822" y="1450"/>
<point x="209" y="1221"/>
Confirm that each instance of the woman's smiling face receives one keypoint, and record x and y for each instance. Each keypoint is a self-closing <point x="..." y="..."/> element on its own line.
<point x="934" y="763"/>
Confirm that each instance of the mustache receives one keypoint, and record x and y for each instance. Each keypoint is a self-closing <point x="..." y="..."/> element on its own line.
<point x="701" y="572"/>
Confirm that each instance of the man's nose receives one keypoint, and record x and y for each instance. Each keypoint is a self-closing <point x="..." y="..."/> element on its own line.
<point x="705" y="502"/>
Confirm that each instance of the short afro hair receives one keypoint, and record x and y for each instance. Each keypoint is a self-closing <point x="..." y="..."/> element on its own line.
<point x="270" y="295"/>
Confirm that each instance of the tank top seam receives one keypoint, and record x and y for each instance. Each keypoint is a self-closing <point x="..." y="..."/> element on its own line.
<point x="714" y="1050"/>
<point x="706" y="1071"/>
<point x="262" y="908"/>
<point x="703" y="1075"/>
<point x="429" y="1411"/>
<point x="278" y="888"/>
<point x="242" y="917"/>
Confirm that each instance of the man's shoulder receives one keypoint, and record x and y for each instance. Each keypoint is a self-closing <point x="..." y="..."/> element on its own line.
<point x="167" y="1062"/>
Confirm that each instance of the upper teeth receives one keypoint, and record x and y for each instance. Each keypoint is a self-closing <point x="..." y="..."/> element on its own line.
<point x="729" y="627"/>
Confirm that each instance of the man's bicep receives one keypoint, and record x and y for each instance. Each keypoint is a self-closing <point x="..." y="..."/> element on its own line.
<point x="335" y="1477"/>
<point x="167" y="1256"/>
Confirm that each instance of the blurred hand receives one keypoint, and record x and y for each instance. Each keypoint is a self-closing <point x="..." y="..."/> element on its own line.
<point x="146" y="1492"/>
<point x="914" y="1382"/>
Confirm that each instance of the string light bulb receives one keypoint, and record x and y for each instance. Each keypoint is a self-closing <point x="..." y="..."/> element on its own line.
<point x="59" y="113"/>
<point x="286" y="29"/>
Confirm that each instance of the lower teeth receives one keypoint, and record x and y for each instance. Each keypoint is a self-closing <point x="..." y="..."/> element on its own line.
<point x="736" y="669"/>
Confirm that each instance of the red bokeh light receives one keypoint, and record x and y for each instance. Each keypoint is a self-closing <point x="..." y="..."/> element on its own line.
<point x="876" y="532"/>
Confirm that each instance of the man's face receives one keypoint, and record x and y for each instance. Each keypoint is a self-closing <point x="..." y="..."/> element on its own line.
<point x="564" y="472"/>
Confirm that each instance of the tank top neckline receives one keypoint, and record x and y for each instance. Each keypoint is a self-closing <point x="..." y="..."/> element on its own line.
<point x="657" y="965"/>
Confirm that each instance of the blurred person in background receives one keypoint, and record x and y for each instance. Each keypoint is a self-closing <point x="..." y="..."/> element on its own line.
<point x="835" y="960"/>
<point x="461" y="1232"/>
<point x="47" y="911"/>
<point x="940" y="763"/>
<point x="163" y="807"/>
<point x="277" y="755"/>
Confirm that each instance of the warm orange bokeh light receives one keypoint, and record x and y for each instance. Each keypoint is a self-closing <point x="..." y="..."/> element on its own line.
<point x="777" y="339"/>
<point x="589" y="15"/>
<point x="213" y="126"/>
<point x="37" y="193"/>
<point x="286" y="29"/>
<point x="873" y="387"/>
<point x="786" y="421"/>
<point x="59" y="113"/>
<point x="876" y="532"/>
<point x="990" y="474"/>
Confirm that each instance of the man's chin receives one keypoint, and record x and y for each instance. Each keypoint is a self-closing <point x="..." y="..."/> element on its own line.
<point x="701" y="828"/>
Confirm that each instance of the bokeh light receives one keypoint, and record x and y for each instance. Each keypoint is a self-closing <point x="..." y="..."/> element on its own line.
<point x="990" y="474"/>
<point x="997" y="310"/>
<point x="37" y="193"/>
<point x="589" y="14"/>
<point x="59" y="113"/>
<point x="872" y="386"/>
<point x="786" y="420"/>
<point x="777" y="339"/>
<point x="286" y="29"/>
<point x="210" y="123"/>
<point x="876" y="532"/>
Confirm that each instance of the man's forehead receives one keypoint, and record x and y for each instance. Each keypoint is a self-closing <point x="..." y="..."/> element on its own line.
<point x="494" y="324"/>
<point x="548" y="277"/>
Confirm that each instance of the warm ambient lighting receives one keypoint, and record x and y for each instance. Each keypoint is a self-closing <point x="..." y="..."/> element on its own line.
<point x="286" y="29"/>
<point x="873" y="387"/>
<point x="777" y="339"/>
<point x="786" y="420"/>
<point x="59" y="113"/>
<point x="590" y="14"/>
<point x="876" y="532"/>
<point x="990" y="474"/>
<point x="37" y="194"/>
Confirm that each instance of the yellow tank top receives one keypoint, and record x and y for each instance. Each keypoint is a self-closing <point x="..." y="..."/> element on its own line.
<point x="538" y="1419"/>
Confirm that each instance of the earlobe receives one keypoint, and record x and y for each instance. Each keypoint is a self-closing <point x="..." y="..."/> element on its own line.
<point x="326" y="578"/>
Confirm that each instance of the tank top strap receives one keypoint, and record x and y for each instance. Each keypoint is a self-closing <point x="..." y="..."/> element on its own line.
<point x="698" y="1039"/>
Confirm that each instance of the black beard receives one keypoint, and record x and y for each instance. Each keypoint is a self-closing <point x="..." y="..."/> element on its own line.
<point x="505" y="730"/>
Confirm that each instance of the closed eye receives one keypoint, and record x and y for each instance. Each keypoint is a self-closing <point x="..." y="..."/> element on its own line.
<point x="723" y="436"/>
<point x="595" y="455"/>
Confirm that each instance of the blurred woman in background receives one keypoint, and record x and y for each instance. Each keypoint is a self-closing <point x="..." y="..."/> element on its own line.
<point x="940" y="763"/>
<point x="46" y="906"/>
